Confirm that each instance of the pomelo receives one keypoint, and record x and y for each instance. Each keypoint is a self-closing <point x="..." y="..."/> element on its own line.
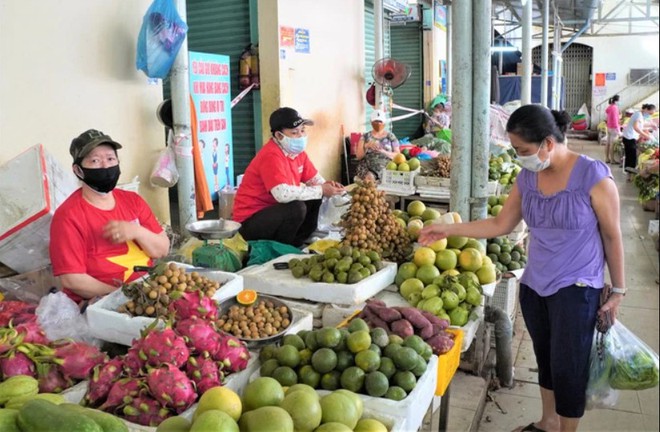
<point x="456" y="242"/>
<point x="470" y="259"/>
<point x="410" y="286"/>
<point x="304" y="409"/>
<point x="369" y="425"/>
<point x="414" y="228"/>
<point x="416" y="208"/>
<point x="263" y="391"/>
<point x="424" y="256"/>
<point x="337" y="407"/>
<point x="439" y="245"/>
<point x="445" y="259"/>
<point x="403" y="167"/>
<point x="427" y="273"/>
<point x="487" y="274"/>
<point x="266" y="418"/>
<point x="214" y="420"/>
<point x="392" y="166"/>
<point x="407" y="270"/>
<point x="430" y="214"/>
<point x="222" y="399"/>
<point x="476" y="244"/>
<point x="413" y="163"/>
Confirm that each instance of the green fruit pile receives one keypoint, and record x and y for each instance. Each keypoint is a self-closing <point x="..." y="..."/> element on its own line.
<point x="344" y="265"/>
<point x="353" y="358"/>
<point x="495" y="204"/>
<point x="448" y="297"/>
<point x="506" y="255"/>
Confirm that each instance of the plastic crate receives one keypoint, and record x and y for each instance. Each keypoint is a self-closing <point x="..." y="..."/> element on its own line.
<point x="428" y="181"/>
<point x="398" y="181"/>
<point x="448" y="363"/>
<point x="506" y="296"/>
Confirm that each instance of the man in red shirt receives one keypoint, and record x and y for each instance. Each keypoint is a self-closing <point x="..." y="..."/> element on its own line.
<point x="100" y="233"/>
<point x="281" y="191"/>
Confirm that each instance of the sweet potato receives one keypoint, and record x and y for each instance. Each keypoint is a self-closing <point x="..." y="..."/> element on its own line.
<point x="385" y="313"/>
<point x="439" y="329"/>
<point x="440" y="343"/>
<point x="402" y="328"/>
<point x="415" y="317"/>
<point x="434" y="319"/>
<point x="377" y="302"/>
<point x="426" y="332"/>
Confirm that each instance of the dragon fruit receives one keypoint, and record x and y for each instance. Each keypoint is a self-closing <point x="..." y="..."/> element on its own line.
<point x="199" y="334"/>
<point x="146" y="411"/>
<point x="164" y="346"/>
<point x="171" y="387"/>
<point x="103" y="377"/>
<point x="232" y="353"/>
<point x="32" y="333"/>
<point x="17" y="363"/>
<point x="77" y="359"/>
<point x="122" y="392"/>
<point x="194" y="304"/>
<point x="200" y="368"/>
<point x="51" y="379"/>
<point x="207" y="383"/>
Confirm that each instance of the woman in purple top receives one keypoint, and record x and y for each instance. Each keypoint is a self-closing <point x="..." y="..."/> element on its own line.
<point x="571" y="205"/>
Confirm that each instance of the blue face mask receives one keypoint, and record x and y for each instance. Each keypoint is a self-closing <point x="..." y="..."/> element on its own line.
<point x="293" y="145"/>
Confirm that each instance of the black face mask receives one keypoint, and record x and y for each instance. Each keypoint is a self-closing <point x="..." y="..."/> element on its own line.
<point x="101" y="179"/>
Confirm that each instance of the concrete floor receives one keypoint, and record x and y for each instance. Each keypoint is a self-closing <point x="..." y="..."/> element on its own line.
<point x="506" y="409"/>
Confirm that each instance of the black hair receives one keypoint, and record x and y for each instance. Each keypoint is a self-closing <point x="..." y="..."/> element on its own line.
<point x="613" y="99"/>
<point x="648" y="107"/>
<point x="534" y="123"/>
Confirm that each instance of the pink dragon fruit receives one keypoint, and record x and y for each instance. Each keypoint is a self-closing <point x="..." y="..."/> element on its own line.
<point x="103" y="377"/>
<point x="17" y="363"/>
<point x="194" y="304"/>
<point x="164" y="346"/>
<point x="171" y="387"/>
<point x="32" y="333"/>
<point x="133" y="363"/>
<point x="200" y="368"/>
<point x="232" y="353"/>
<point x="207" y="383"/>
<point x="122" y="392"/>
<point x="78" y="359"/>
<point x="51" y="379"/>
<point x="146" y="411"/>
<point x="199" y="334"/>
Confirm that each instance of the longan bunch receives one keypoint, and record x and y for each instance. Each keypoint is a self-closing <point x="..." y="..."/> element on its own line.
<point x="370" y="225"/>
<point x="151" y="296"/>
<point x="256" y="321"/>
<point x="444" y="165"/>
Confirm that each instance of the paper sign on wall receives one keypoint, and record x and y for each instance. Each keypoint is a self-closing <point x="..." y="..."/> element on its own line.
<point x="610" y="76"/>
<point x="286" y="36"/>
<point x="600" y="80"/>
<point x="301" y="38"/>
<point x="440" y="16"/>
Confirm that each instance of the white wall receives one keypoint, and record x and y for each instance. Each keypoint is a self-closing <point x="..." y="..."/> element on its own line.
<point x="619" y="55"/>
<point x="69" y="66"/>
<point x="325" y="84"/>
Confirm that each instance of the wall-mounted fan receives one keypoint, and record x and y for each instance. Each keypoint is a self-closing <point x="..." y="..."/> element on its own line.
<point x="390" y="73"/>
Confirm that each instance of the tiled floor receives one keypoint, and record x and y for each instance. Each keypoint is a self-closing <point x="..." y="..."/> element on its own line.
<point x="507" y="409"/>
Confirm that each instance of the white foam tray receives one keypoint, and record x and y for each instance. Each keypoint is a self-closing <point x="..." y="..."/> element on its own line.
<point x="489" y="289"/>
<point x="265" y="279"/>
<point x="109" y="325"/>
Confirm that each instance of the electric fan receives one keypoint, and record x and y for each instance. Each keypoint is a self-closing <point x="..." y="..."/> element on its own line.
<point x="390" y="73"/>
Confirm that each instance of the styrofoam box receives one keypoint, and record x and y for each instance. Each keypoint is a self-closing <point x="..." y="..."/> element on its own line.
<point x="265" y="279"/>
<point x="334" y="314"/>
<point x="410" y="411"/>
<point x="32" y="186"/>
<point x="109" y="325"/>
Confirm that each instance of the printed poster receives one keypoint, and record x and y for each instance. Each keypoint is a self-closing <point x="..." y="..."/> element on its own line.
<point x="440" y="16"/>
<point x="302" y="40"/>
<point x="286" y="36"/>
<point x="211" y="94"/>
<point x="599" y="81"/>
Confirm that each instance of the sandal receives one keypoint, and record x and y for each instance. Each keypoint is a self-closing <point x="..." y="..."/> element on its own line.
<point x="531" y="428"/>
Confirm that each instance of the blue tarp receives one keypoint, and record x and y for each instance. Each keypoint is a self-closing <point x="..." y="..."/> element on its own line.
<point x="510" y="89"/>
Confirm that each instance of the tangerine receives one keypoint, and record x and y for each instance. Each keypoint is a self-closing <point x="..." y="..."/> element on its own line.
<point x="246" y="297"/>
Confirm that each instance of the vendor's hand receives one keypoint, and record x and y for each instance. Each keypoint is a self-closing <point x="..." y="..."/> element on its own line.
<point x="611" y="307"/>
<point x="119" y="231"/>
<point x="331" y="188"/>
<point x="432" y="233"/>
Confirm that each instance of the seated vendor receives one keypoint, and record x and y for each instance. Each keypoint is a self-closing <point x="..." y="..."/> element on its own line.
<point x="281" y="191"/>
<point x="100" y="233"/>
<point x="376" y="148"/>
<point x="438" y="120"/>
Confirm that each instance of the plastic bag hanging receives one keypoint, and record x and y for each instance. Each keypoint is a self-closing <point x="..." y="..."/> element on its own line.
<point x="164" y="173"/>
<point x="161" y="35"/>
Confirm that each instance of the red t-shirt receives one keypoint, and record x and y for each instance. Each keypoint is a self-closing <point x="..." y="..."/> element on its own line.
<point x="77" y="244"/>
<point x="269" y="168"/>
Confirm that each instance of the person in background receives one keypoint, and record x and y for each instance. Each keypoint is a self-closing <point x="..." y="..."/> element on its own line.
<point x="613" y="126"/>
<point x="376" y="148"/>
<point x="99" y="233"/>
<point x="438" y="121"/>
<point x="632" y="132"/>
<point x="281" y="191"/>
<point x="571" y="205"/>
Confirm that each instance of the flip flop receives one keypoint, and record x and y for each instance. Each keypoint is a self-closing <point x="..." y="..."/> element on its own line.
<point x="531" y="428"/>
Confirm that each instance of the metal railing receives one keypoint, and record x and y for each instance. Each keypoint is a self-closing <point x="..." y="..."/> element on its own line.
<point x="634" y="92"/>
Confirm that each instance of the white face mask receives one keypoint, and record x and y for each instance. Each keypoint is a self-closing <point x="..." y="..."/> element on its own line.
<point x="534" y="162"/>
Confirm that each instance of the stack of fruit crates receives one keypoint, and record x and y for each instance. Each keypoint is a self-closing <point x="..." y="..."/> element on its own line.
<point x="398" y="182"/>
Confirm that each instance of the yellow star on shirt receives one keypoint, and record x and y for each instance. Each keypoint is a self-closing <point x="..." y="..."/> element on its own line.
<point x="133" y="257"/>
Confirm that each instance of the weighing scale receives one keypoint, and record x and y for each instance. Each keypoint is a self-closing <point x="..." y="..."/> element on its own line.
<point x="213" y="254"/>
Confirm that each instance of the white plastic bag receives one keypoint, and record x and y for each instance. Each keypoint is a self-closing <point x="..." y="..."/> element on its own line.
<point x="60" y="318"/>
<point x="164" y="173"/>
<point x="332" y="210"/>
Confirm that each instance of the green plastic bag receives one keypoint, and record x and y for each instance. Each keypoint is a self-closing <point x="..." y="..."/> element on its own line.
<point x="444" y="134"/>
<point x="262" y="251"/>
